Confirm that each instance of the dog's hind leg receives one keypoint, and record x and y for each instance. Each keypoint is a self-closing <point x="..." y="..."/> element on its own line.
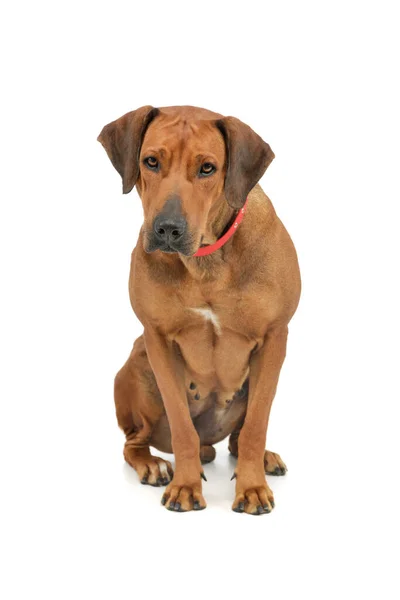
<point x="139" y="407"/>
<point x="273" y="464"/>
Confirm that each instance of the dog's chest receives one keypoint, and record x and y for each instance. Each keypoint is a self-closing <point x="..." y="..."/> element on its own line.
<point x="210" y="316"/>
<point x="216" y="353"/>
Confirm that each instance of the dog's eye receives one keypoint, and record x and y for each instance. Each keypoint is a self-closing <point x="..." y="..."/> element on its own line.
<point x="207" y="169"/>
<point x="151" y="162"/>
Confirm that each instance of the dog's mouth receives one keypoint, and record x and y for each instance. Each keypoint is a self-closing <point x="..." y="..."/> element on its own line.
<point x="152" y="244"/>
<point x="187" y="250"/>
<point x="168" y="250"/>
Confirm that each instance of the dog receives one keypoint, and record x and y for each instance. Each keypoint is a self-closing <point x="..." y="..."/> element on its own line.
<point x="214" y="280"/>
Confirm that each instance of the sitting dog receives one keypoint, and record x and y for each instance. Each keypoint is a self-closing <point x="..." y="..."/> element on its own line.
<point x="214" y="281"/>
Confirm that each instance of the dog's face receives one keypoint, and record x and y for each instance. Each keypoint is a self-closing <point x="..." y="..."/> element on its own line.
<point x="182" y="173"/>
<point x="183" y="161"/>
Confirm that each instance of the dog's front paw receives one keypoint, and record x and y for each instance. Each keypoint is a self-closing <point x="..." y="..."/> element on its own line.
<point x="253" y="499"/>
<point x="181" y="497"/>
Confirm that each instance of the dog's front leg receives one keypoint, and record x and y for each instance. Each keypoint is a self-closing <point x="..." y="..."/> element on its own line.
<point x="252" y="492"/>
<point x="185" y="490"/>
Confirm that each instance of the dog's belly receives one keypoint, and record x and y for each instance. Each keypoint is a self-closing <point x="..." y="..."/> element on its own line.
<point x="216" y="371"/>
<point x="216" y="361"/>
<point x="217" y="422"/>
<point x="213" y="423"/>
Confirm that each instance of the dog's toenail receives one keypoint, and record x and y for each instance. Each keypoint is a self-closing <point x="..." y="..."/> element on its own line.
<point x="239" y="508"/>
<point x="266" y="508"/>
<point x="260" y="509"/>
<point x="163" y="500"/>
<point x="196" y="505"/>
<point x="177" y="506"/>
<point x="192" y="385"/>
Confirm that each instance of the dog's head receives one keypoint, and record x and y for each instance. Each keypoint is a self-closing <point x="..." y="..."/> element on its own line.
<point x="183" y="160"/>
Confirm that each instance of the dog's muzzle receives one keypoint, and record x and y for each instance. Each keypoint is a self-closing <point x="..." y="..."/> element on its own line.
<point x="169" y="234"/>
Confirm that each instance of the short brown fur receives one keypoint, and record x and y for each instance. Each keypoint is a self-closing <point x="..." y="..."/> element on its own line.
<point x="189" y="382"/>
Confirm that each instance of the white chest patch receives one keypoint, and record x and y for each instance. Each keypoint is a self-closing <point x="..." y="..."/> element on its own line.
<point x="209" y="315"/>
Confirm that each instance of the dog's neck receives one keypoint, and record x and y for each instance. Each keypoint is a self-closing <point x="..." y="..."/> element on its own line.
<point x="220" y="218"/>
<point x="210" y="267"/>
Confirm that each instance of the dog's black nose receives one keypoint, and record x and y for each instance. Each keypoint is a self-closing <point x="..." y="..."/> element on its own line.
<point x="169" y="229"/>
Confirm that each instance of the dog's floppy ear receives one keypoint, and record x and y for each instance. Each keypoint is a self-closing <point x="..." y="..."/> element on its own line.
<point x="247" y="158"/>
<point x="122" y="140"/>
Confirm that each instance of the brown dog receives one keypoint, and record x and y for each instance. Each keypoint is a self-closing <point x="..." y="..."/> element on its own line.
<point x="215" y="326"/>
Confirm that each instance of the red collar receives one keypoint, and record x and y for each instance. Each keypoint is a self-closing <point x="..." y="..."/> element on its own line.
<point x="222" y="240"/>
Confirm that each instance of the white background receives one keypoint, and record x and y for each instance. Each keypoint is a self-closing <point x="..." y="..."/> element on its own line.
<point x="318" y="81"/>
